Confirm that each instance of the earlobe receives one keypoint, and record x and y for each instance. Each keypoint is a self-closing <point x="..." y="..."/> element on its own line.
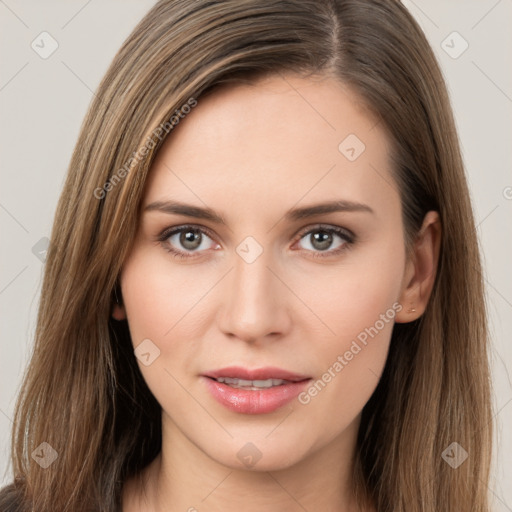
<point x="118" y="311"/>
<point x="421" y="270"/>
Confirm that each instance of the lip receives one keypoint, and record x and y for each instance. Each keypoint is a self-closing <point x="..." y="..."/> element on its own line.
<point x="246" y="401"/>
<point x="269" y="372"/>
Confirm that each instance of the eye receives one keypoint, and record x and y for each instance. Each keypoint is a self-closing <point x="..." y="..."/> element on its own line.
<point x="321" y="240"/>
<point x="183" y="241"/>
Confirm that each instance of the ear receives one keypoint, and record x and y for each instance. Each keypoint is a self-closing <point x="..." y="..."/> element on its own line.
<point x="420" y="270"/>
<point x="118" y="310"/>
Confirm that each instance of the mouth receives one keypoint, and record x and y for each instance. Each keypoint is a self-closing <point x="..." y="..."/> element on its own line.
<point x="254" y="385"/>
<point x="256" y="375"/>
<point x="256" y="391"/>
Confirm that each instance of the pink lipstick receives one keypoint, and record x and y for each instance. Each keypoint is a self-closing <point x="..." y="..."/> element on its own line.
<point x="256" y="391"/>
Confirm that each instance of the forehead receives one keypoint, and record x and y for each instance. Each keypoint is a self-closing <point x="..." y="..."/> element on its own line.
<point x="282" y="138"/>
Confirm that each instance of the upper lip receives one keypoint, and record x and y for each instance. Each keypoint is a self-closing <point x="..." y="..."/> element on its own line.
<point x="269" y="372"/>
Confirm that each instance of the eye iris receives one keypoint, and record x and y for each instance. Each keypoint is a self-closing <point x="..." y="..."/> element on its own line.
<point x="323" y="238"/>
<point x="189" y="239"/>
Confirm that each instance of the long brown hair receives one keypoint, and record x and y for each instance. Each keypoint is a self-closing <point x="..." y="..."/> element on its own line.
<point x="83" y="393"/>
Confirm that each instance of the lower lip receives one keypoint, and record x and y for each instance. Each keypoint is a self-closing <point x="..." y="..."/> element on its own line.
<point x="248" y="401"/>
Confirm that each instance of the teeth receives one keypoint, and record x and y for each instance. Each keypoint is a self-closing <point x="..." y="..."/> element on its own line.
<point x="251" y="384"/>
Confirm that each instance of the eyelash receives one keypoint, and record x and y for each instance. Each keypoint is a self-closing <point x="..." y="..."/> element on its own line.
<point x="346" y="235"/>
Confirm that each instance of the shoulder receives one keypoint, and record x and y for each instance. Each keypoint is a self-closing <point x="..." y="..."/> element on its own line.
<point x="10" y="499"/>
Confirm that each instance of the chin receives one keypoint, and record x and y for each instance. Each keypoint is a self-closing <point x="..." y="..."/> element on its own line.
<point x="260" y="454"/>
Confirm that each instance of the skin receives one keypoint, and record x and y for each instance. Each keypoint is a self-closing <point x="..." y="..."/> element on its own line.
<point x="251" y="153"/>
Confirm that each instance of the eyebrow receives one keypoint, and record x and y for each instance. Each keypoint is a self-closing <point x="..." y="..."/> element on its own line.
<point x="174" y="207"/>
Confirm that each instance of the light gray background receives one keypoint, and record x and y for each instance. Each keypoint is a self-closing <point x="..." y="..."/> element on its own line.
<point x="43" y="102"/>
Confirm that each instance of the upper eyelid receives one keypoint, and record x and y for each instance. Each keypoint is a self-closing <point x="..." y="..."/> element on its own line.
<point x="327" y="227"/>
<point x="166" y="233"/>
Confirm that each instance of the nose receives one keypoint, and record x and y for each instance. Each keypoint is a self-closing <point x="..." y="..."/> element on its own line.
<point x="257" y="302"/>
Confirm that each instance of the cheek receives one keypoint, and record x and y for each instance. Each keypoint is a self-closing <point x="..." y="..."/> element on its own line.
<point x="157" y="297"/>
<point x="352" y="296"/>
<point x="159" y="304"/>
<point x="168" y="304"/>
<point x="359" y="305"/>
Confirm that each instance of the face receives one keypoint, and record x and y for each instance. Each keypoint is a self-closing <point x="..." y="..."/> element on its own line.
<point x="254" y="285"/>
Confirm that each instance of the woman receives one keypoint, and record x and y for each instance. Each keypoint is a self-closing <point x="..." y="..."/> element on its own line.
<point x="263" y="289"/>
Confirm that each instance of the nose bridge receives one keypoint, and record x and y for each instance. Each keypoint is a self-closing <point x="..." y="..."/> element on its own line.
<point x="255" y="305"/>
